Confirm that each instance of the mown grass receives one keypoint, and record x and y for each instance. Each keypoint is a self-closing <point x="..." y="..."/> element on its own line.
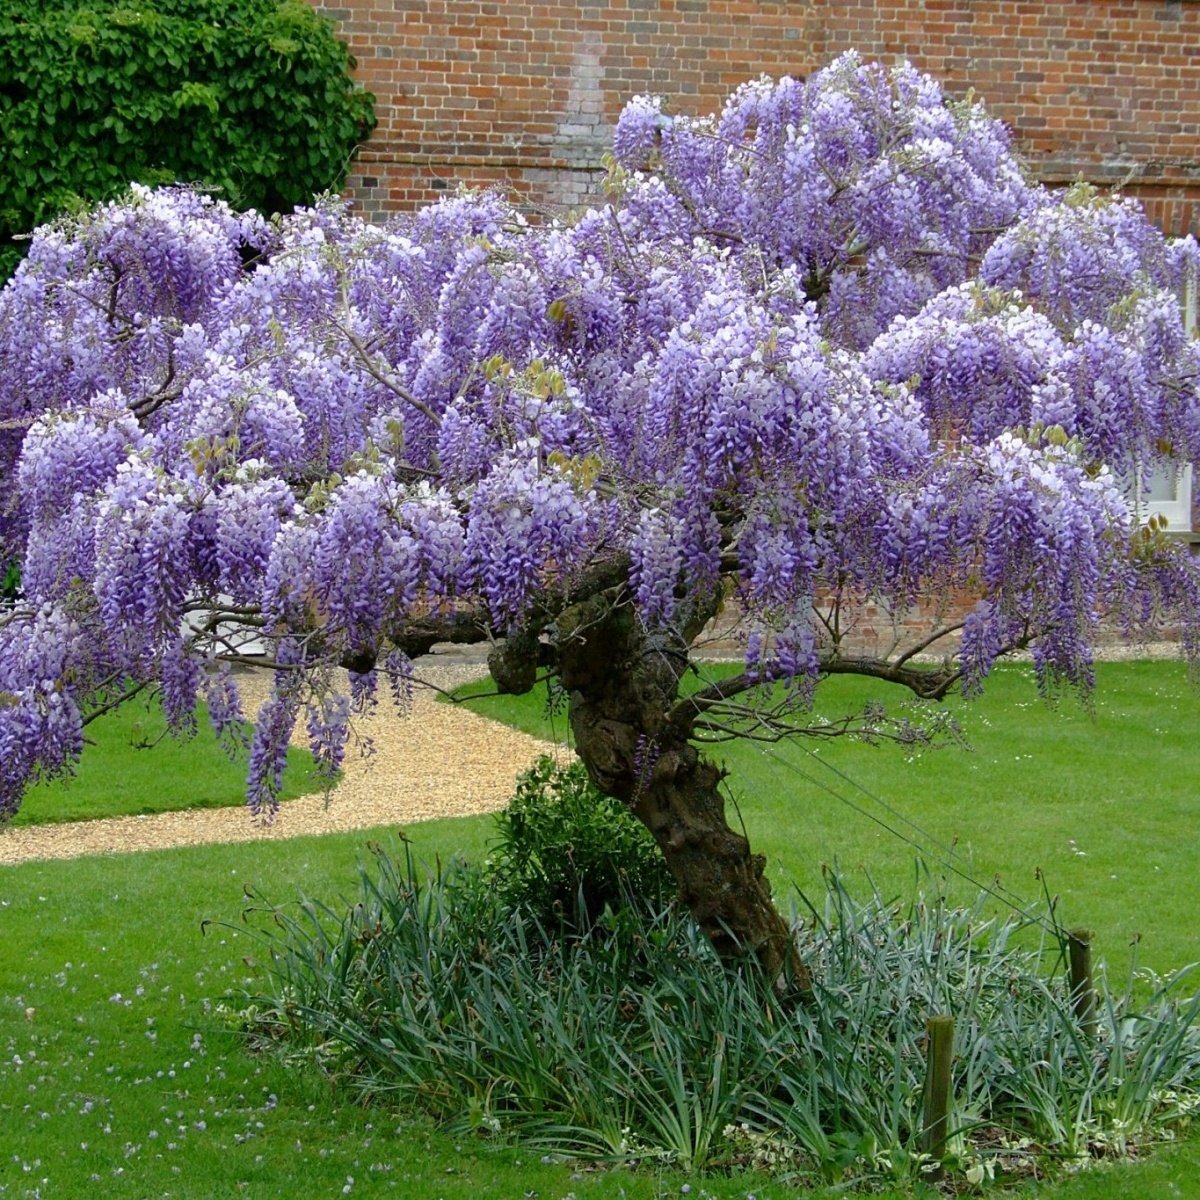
<point x="123" y="1081"/>
<point x="134" y="766"/>
<point x="118" y="1078"/>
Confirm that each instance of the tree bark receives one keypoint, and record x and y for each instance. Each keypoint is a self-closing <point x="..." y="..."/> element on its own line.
<point x="621" y="685"/>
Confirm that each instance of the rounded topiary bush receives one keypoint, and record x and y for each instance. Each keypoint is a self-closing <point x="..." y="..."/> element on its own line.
<point x="251" y="98"/>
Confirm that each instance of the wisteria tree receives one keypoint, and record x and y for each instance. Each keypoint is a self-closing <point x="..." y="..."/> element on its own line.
<point x="828" y="349"/>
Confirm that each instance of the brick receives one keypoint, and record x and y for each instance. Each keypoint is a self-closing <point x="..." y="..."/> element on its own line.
<point x="1079" y="81"/>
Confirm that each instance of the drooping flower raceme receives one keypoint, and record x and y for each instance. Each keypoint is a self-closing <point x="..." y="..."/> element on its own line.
<point x="826" y="353"/>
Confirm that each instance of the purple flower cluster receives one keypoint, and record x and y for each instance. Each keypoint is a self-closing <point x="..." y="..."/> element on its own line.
<point x="639" y="131"/>
<point x="1078" y="255"/>
<point x="268" y="754"/>
<point x="249" y="517"/>
<point x="826" y="343"/>
<point x="181" y="675"/>
<point x="41" y="733"/>
<point x="982" y="363"/>
<point x="398" y="670"/>
<point x="880" y="191"/>
<point x="225" y="709"/>
<point x="528" y="530"/>
<point x="328" y="725"/>
<point x="273" y="731"/>
<point x="141" y="565"/>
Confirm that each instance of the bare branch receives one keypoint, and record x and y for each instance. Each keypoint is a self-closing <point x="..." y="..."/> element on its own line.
<point x="854" y="725"/>
<point x="222" y="616"/>
<point x="256" y="660"/>
<point x="685" y="712"/>
<point x="925" y="643"/>
<point x="230" y="610"/>
<point x="128" y="694"/>
<point x="392" y="385"/>
<point x="163" y="394"/>
<point x="109" y="309"/>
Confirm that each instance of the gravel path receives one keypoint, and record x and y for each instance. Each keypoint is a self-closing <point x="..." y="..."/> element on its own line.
<point x="441" y="761"/>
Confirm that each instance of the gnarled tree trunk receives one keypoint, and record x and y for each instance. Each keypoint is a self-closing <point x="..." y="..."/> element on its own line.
<point x="621" y="685"/>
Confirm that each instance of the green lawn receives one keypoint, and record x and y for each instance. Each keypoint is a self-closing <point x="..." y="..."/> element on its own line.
<point x="121" y="1082"/>
<point x="117" y="1079"/>
<point x="136" y="766"/>
<point x="1104" y="804"/>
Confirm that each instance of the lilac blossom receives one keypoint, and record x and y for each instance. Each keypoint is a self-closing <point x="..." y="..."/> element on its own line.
<point x="181" y="674"/>
<point x="273" y="732"/>
<point x="248" y="516"/>
<point x="225" y="709"/>
<point x="398" y="670"/>
<point x="41" y="732"/>
<point x="328" y="725"/>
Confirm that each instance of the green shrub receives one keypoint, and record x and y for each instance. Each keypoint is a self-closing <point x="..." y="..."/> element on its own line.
<point x="251" y="97"/>
<point x="566" y="852"/>
<point x="632" y="1041"/>
<point x="10" y="581"/>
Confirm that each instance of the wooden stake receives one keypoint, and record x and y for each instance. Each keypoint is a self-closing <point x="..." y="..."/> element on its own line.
<point x="940" y="1049"/>
<point x="1083" y="991"/>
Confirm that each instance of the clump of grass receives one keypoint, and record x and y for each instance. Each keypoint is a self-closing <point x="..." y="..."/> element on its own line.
<point x="628" y="1040"/>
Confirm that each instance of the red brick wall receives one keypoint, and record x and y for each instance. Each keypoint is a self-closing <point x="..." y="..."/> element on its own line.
<point x="1103" y="89"/>
<point x="523" y="94"/>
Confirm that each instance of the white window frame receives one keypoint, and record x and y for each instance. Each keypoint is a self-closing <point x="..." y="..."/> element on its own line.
<point x="1177" y="511"/>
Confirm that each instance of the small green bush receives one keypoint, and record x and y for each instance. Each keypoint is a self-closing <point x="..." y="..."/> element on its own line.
<point x="566" y="852"/>
<point x="249" y="97"/>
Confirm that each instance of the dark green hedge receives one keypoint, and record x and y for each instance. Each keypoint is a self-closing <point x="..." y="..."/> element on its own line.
<point x="251" y="97"/>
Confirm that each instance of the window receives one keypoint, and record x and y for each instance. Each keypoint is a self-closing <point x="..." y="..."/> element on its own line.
<point x="1167" y="492"/>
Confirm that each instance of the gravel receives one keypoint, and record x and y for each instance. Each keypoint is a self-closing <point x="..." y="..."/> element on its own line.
<point x="438" y="761"/>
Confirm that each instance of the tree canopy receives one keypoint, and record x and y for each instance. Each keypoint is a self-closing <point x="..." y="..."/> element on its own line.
<point x="827" y="349"/>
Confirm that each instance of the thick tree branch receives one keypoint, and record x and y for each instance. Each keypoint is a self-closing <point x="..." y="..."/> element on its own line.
<point x="929" y="684"/>
<point x="685" y="714"/>
<point x="166" y="393"/>
<point x="467" y="627"/>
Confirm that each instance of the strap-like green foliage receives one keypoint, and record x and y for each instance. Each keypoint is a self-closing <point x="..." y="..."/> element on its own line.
<point x="251" y="97"/>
